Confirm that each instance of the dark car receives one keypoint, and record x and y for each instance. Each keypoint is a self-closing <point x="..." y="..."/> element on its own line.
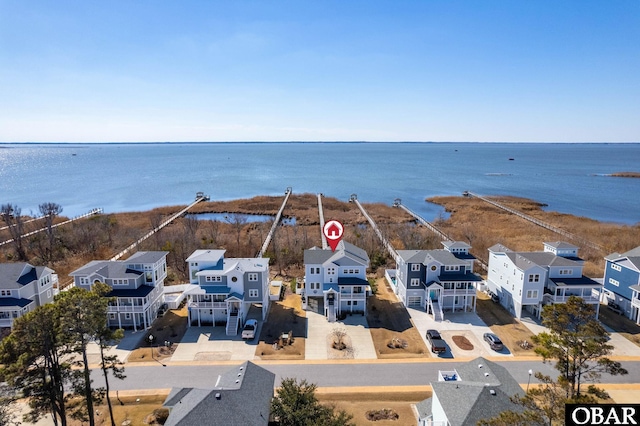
<point x="494" y="341"/>
<point x="494" y="297"/>
<point x="437" y="344"/>
<point x="163" y="310"/>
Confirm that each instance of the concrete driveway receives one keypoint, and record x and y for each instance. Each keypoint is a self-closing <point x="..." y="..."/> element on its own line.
<point x="210" y="343"/>
<point x="466" y="324"/>
<point x="319" y="330"/>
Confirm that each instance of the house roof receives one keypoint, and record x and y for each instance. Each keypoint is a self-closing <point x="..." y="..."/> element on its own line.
<point x="241" y="396"/>
<point x="147" y="257"/>
<point x="17" y="275"/>
<point x="107" y="269"/>
<point x="545" y="259"/>
<point x="483" y="391"/>
<point x="12" y="301"/>
<point x="561" y="245"/>
<point x="425" y="257"/>
<point x="346" y="254"/>
<point x="582" y="281"/>
<point x="206" y="256"/>
<point x="632" y="257"/>
<point x="141" y="291"/>
<point x="499" y="248"/>
<point x="456" y="244"/>
<point x="352" y="281"/>
<point x="468" y="276"/>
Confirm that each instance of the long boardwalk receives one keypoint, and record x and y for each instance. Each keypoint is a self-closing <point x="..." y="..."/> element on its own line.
<point x="199" y="197"/>
<point x="321" y="214"/>
<point x="26" y="221"/>
<point x="267" y="240"/>
<point x="385" y="242"/>
<point x="432" y="228"/>
<point x="538" y="222"/>
<point x="90" y="213"/>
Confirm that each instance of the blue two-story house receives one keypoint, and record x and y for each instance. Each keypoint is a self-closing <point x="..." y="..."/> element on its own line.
<point x="437" y="280"/>
<point x="622" y="282"/>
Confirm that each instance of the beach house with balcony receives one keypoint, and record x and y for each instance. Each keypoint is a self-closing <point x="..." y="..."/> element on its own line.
<point x="226" y="289"/>
<point x="336" y="281"/>
<point x="622" y="282"/>
<point x="477" y="390"/>
<point x="437" y="280"/>
<point x="525" y="281"/>
<point x="24" y="287"/>
<point x="137" y="285"/>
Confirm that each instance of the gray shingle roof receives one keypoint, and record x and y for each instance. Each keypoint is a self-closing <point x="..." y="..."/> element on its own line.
<point x="241" y="396"/>
<point x="442" y="256"/>
<point x="525" y="260"/>
<point x="12" y="277"/>
<point x="561" y="245"/>
<point x="632" y="256"/>
<point x="147" y="257"/>
<point x="482" y="393"/>
<point x="346" y="254"/>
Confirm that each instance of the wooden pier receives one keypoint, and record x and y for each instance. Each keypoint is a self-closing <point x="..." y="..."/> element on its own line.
<point x="267" y="240"/>
<point x="199" y="197"/>
<point x="538" y="222"/>
<point x="90" y="213"/>
<point x="432" y="228"/>
<point x="385" y="242"/>
<point x="321" y="214"/>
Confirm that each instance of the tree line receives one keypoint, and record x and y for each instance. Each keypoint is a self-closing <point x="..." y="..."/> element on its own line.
<point x="45" y="357"/>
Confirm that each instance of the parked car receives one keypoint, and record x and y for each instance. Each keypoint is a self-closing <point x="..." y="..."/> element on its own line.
<point x="438" y="345"/>
<point x="494" y="341"/>
<point x="249" y="330"/>
<point x="162" y="310"/>
<point x="494" y="297"/>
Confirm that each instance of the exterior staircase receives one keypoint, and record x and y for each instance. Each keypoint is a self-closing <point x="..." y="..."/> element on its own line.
<point x="433" y="308"/>
<point x="232" y="324"/>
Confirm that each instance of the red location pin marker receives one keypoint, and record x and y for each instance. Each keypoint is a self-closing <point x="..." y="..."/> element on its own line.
<point x="333" y="231"/>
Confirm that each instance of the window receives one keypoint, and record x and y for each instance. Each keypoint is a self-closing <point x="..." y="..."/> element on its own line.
<point x="252" y="276"/>
<point x="48" y="294"/>
<point x="84" y="281"/>
<point x="616" y="267"/>
<point x="331" y="271"/>
<point x="415" y="282"/>
<point x="566" y="271"/>
<point x="415" y="267"/>
<point x="118" y="281"/>
<point x="112" y="316"/>
<point x="534" y="278"/>
<point x="434" y="268"/>
<point x="5" y="292"/>
<point x="315" y="286"/>
<point x="253" y="292"/>
<point x="532" y="294"/>
<point x="127" y="316"/>
<point x="315" y="270"/>
<point x="214" y="279"/>
<point x="614" y="282"/>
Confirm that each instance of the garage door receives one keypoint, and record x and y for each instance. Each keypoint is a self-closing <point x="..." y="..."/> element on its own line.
<point x="414" y="301"/>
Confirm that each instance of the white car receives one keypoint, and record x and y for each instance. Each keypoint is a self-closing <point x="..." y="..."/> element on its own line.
<point x="249" y="330"/>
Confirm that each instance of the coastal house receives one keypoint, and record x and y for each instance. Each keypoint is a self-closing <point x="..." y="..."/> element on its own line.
<point x="336" y="281"/>
<point x="241" y="396"/>
<point x="622" y="282"/>
<point x="437" y="280"/>
<point x="24" y="287"/>
<point x="226" y="288"/>
<point x="137" y="285"/>
<point x="529" y="280"/>
<point x="476" y="390"/>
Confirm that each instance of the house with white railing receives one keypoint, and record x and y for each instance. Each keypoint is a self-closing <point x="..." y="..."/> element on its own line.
<point x="226" y="289"/>
<point x="476" y="390"/>
<point x="437" y="280"/>
<point x="136" y="285"/>
<point x="622" y="283"/>
<point x="336" y="281"/>
<point x="529" y="280"/>
<point x="23" y="287"/>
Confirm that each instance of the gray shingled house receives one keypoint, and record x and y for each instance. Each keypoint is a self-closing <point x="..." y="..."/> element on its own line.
<point x="24" y="287"/>
<point x="478" y="389"/>
<point x="241" y="396"/>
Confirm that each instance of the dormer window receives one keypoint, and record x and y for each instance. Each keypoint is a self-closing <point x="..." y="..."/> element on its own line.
<point x="415" y="267"/>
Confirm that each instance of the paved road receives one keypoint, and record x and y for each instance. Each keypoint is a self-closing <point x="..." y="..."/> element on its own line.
<point x="325" y="374"/>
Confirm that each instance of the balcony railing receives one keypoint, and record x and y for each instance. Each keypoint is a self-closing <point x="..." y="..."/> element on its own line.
<point x="128" y="308"/>
<point x="197" y="305"/>
<point x="459" y="292"/>
<point x="6" y="322"/>
<point x="352" y="296"/>
<point x="563" y="299"/>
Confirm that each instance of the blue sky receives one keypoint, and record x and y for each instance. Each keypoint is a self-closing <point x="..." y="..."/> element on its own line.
<point x="534" y="71"/>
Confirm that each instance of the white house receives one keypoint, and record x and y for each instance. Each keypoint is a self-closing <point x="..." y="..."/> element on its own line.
<point x="622" y="282"/>
<point x="226" y="288"/>
<point x="476" y="390"/>
<point x="336" y="281"/>
<point x="529" y="280"/>
<point x="137" y="285"/>
<point x="23" y="287"/>
<point x="437" y="280"/>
